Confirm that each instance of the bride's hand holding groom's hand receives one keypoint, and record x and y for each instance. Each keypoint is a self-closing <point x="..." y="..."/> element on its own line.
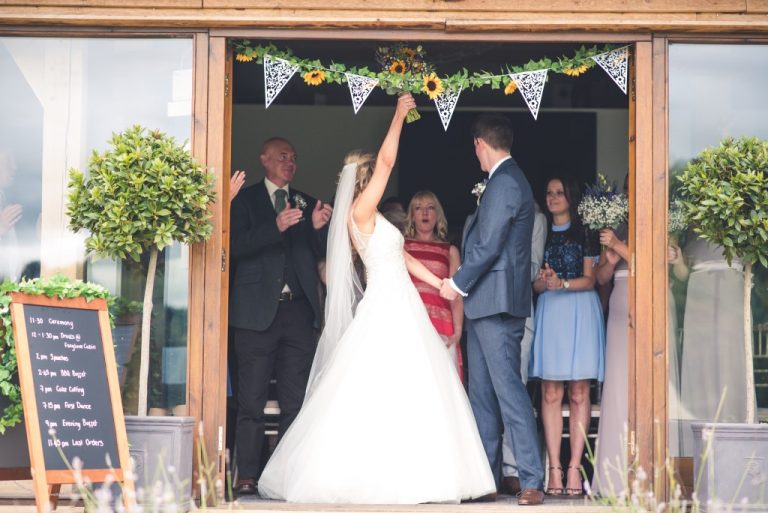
<point x="448" y="292"/>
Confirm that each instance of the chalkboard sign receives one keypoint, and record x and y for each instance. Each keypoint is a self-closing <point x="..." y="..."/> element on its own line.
<point x="70" y="392"/>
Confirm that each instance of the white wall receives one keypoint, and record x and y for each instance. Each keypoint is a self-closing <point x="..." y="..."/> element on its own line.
<point x="613" y="144"/>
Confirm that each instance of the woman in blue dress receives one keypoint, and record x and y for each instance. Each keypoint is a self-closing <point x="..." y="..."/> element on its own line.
<point x="569" y="340"/>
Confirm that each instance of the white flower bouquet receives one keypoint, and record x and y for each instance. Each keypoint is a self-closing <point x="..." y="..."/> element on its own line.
<point x="602" y="206"/>
<point x="677" y="222"/>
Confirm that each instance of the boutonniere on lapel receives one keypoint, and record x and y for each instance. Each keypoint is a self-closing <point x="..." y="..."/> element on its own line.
<point x="479" y="189"/>
<point x="300" y="202"/>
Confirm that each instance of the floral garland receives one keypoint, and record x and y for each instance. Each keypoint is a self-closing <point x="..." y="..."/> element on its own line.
<point x="398" y="75"/>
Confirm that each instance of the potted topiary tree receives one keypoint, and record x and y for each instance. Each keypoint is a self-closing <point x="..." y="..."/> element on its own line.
<point x="142" y="194"/>
<point x="724" y="193"/>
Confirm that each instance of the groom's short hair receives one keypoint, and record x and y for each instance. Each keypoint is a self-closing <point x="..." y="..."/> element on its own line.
<point x="495" y="130"/>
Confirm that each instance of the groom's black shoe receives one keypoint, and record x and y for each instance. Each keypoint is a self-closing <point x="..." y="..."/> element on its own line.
<point x="246" y="487"/>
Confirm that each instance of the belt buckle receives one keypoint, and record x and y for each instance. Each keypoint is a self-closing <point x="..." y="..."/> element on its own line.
<point x="286" y="296"/>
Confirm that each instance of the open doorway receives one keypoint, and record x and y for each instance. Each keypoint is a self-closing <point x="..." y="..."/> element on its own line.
<point x="582" y="129"/>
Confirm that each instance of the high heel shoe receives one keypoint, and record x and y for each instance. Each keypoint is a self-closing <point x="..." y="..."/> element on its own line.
<point x="575" y="492"/>
<point x="556" y="491"/>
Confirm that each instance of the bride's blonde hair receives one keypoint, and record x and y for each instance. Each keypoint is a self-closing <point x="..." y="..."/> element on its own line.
<point x="365" y="162"/>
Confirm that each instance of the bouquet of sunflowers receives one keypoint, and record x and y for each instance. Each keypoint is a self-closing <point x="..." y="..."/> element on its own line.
<point x="409" y="63"/>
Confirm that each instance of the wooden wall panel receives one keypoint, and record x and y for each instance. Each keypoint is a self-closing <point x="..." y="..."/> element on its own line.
<point x="438" y="20"/>
<point x="215" y="323"/>
<point x="493" y="6"/>
<point x="757" y="6"/>
<point x="659" y="283"/>
<point x="642" y="345"/>
<point x="197" y="251"/>
<point x="154" y="4"/>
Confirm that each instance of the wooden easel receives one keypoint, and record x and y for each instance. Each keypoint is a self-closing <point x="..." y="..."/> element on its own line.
<point x="47" y="483"/>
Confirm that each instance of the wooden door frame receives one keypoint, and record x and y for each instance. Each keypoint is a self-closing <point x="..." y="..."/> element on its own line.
<point x="644" y="356"/>
<point x="211" y="140"/>
<point x="643" y="433"/>
<point x="683" y="467"/>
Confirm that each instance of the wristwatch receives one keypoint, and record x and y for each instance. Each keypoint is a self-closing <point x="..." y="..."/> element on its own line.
<point x="566" y="284"/>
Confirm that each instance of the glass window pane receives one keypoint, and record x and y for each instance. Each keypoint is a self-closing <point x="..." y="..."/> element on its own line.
<point x="715" y="91"/>
<point x="62" y="98"/>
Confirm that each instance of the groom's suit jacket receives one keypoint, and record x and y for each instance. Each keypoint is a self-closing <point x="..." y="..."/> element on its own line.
<point x="259" y="252"/>
<point x="496" y="247"/>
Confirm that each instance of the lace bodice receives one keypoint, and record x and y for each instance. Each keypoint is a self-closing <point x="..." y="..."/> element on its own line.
<point x="382" y="253"/>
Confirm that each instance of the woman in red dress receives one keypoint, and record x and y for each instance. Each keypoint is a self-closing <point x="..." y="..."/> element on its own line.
<point x="425" y="231"/>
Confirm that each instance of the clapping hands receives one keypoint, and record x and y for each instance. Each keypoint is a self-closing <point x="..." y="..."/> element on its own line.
<point x="236" y="182"/>
<point x="549" y="277"/>
<point x="288" y="217"/>
<point x="321" y="214"/>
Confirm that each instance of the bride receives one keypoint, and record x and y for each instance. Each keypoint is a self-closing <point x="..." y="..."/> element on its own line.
<point x="385" y="419"/>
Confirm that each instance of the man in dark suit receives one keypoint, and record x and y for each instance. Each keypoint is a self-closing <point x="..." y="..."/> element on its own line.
<point x="274" y="305"/>
<point x="494" y="279"/>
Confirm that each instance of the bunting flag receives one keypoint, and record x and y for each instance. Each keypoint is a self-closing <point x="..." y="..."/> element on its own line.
<point x="531" y="86"/>
<point x="446" y="103"/>
<point x="277" y="73"/>
<point x="359" y="88"/>
<point x="615" y="64"/>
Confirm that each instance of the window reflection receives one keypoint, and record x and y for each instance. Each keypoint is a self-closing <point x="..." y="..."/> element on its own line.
<point x="62" y="98"/>
<point x="715" y="91"/>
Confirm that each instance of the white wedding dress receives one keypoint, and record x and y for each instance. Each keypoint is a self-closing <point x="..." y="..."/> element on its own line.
<point x="387" y="421"/>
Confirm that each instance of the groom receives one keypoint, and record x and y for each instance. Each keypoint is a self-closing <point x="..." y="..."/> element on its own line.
<point x="494" y="279"/>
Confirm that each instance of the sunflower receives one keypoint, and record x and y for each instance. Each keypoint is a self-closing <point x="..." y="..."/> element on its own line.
<point x="433" y="86"/>
<point x="397" y="67"/>
<point x="409" y="52"/>
<point x="575" y="71"/>
<point x="314" y="77"/>
<point x="511" y="87"/>
<point x="241" y="57"/>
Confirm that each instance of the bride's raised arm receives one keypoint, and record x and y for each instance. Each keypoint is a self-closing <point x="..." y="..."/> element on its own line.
<point x="364" y="208"/>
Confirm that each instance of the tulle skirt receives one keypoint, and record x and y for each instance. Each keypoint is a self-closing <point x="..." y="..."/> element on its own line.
<point x="388" y="422"/>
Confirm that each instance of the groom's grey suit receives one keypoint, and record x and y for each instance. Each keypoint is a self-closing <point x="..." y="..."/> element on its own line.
<point x="495" y="275"/>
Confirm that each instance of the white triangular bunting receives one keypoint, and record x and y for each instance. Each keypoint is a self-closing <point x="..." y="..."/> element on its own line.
<point x="359" y="88"/>
<point x="531" y="86"/>
<point x="445" y="104"/>
<point x="615" y="64"/>
<point x="277" y="73"/>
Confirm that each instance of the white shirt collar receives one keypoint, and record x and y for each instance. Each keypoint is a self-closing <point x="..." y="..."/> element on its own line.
<point x="272" y="187"/>
<point x="497" y="164"/>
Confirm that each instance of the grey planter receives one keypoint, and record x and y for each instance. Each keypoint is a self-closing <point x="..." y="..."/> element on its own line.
<point x="735" y="469"/>
<point x="166" y="441"/>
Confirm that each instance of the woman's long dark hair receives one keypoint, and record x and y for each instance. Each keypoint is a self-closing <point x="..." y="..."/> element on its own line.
<point x="573" y="194"/>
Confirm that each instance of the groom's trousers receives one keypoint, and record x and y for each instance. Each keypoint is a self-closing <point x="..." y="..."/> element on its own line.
<point x="499" y="398"/>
